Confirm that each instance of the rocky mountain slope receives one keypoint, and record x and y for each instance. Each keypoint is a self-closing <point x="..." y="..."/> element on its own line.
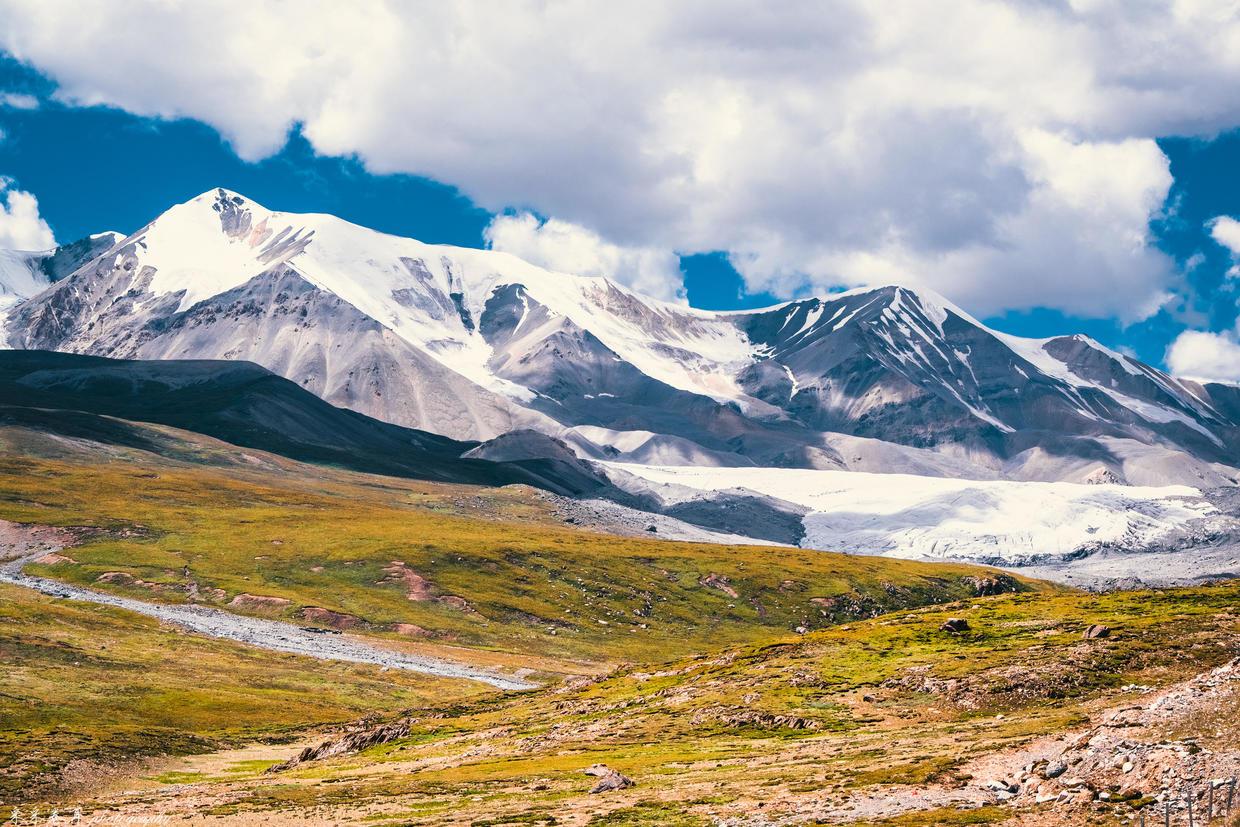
<point x="472" y="344"/>
<point x="23" y="273"/>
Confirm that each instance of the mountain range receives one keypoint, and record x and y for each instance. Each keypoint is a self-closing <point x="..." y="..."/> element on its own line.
<point x="514" y="363"/>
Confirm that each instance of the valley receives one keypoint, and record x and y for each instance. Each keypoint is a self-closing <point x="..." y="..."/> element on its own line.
<point x="302" y="523"/>
<point x="730" y="684"/>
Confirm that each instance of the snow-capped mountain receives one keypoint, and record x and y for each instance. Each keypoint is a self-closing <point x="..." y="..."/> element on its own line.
<point x="473" y="344"/>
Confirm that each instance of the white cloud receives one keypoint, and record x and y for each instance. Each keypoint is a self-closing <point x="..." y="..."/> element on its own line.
<point x="1002" y="153"/>
<point x="1205" y="356"/>
<point x="1226" y="231"/>
<point x="21" y="226"/>
<point x="17" y="100"/>
<point x="569" y="248"/>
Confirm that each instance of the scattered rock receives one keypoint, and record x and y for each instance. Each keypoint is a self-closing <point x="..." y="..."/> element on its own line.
<point x="955" y="625"/>
<point x="739" y="716"/>
<point x="997" y="584"/>
<point x="719" y="582"/>
<point x="608" y="779"/>
<point x="1055" y="769"/>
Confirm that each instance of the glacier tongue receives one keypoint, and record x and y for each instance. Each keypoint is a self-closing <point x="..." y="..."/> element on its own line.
<point x="1001" y="522"/>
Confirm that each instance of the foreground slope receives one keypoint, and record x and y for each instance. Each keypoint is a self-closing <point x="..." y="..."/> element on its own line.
<point x="474" y="343"/>
<point x="1018" y="720"/>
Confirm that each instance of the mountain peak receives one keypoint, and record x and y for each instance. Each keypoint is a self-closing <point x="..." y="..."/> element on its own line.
<point x="218" y="194"/>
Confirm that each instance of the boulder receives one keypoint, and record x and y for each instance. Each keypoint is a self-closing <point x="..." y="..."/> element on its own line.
<point x="955" y="625"/>
<point x="608" y="779"/>
<point x="1096" y="631"/>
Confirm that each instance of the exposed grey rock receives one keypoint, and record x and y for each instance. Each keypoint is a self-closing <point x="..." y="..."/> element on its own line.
<point x="608" y="779"/>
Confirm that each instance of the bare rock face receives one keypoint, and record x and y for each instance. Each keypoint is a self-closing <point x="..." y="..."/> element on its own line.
<point x="608" y="779"/>
<point x="362" y="736"/>
<point x="1104" y="476"/>
<point x="998" y="584"/>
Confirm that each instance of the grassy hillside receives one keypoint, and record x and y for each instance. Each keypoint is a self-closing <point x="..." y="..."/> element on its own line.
<point x="842" y="722"/>
<point x="490" y="575"/>
<point x="91" y="683"/>
<point x="429" y="563"/>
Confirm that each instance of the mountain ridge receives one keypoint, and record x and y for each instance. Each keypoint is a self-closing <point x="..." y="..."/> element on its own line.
<point x="473" y="344"/>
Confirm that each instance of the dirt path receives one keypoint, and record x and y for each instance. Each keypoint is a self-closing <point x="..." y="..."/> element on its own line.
<point x="266" y="634"/>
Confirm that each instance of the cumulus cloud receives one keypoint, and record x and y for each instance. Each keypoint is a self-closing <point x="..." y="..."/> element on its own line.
<point x="569" y="248"/>
<point x="21" y="226"/>
<point x="1001" y="152"/>
<point x="1205" y="356"/>
<point x="1226" y="231"/>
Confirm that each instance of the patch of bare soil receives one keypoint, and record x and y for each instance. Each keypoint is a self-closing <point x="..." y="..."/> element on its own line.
<point x="21" y="540"/>
<point x="418" y="588"/>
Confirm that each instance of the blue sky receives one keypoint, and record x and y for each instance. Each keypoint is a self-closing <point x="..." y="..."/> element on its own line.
<point x="110" y="148"/>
